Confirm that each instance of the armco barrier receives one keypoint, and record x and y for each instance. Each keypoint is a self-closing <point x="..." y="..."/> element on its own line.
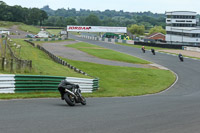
<point x="157" y="44"/>
<point x="46" y="39"/>
<point x="107" y="39"/>
<point x="37" y="83"/>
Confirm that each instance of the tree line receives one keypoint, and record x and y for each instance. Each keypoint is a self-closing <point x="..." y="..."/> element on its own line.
<point x="30" y="16"/>
<point x="137" y="22"/>
<point x="63" y="17"/>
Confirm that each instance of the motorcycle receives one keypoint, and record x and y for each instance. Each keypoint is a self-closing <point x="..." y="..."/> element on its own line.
<point x="153" y="51"/>
<point x="143" y="50"/>
<point x="71" y="94"/>
<point x="180" y="57"/>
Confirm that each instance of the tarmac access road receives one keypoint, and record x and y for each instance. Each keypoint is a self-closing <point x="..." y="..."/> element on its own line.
<point x="176" y="110"/>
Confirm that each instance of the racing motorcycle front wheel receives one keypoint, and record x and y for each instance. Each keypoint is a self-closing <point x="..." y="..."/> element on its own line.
<point x="69" y="99"/>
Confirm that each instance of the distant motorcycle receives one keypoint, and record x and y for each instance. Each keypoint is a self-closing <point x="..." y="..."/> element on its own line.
<point x="153" y="51"/>
<point x="180" y="57"/>
<point x="143" y="49"/>
<point x="71" y="93"/>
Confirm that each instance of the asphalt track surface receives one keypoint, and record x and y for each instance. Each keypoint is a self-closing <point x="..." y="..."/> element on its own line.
<point x="176" y="110"/>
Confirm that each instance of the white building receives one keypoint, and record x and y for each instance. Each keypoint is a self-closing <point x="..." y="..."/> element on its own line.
<point x="181" y="27"/>
<point x="43" y="34"/>
<point x="4" y="31"/>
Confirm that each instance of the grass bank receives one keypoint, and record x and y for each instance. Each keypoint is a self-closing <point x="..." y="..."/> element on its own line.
<point x="126" y="81"/>
<point x="104" y="53"/>
<point x="114" y="80"/>
<point x="8" y="24"/>
<point x="54" y="31"/>
<point x="29" y="28"/>
<point x="42" y="64"/>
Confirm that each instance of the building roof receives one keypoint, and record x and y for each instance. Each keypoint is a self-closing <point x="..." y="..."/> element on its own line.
<point x="154" y="34"/>
<point x="181" y="13"/>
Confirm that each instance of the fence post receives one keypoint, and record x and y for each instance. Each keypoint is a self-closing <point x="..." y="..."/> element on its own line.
<point x="19" y="65"/>
<point x="30" y="65"/>
<point x="3" y="60"/>
<point x="11" y="65"/>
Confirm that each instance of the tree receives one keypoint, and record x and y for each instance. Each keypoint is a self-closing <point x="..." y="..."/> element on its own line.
<point x="136" y="29"/>
<point x="92" y="20"/>
<point x="81" y="20"/>
<point x="71" y="21"/>
<point x="43" y="15"/>
<point x="157" y="29"/>
<point x="2" y="3"/>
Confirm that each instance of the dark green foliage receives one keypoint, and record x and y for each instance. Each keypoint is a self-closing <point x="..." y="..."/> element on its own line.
<point x="63" y="17"/>
<point x="104" y="18"/>
<point x="32" y="16"/>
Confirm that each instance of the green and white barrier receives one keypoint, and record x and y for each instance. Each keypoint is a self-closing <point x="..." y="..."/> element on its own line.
<point x="195" y="49"/>
<point x="108" y="39"/>
<point x="46" y="39"/>
<point x="36" y="83"/>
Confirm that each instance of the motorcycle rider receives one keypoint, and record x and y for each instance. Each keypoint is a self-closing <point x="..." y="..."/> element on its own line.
<point x="143" y="49"/>
<point x="64" y="84"/>
<point x="180" y="56"/>
<point x="153" y="51"/>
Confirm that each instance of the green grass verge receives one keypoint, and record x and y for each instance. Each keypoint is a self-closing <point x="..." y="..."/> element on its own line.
<point x="126" y="81"/>
<point x="24" y="27"/>
<point x="8" y="24"/>
<point x="42" y="64"/>
<point x="74" y="33"/>
<point x="54" y="31"/>
<point x="114" y="80"/>
<point x="104" y="53"/>
<point x="29" y="28"/>
<point x="30" y="95"/>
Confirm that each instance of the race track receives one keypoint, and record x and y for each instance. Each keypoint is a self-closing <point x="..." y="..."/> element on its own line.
<point x="176" y="110"/>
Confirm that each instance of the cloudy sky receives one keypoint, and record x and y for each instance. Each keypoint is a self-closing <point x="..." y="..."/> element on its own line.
<point x="155" y="6"/>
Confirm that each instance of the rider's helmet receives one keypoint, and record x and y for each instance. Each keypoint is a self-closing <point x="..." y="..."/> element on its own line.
<point x="77" y="86"/>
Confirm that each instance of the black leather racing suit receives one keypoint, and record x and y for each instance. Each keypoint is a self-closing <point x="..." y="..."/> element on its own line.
<point x="64" y="84"/>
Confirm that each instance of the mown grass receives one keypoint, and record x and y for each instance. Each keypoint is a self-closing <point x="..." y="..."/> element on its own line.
<point x="29" y="28"/>
<point x="8" y="24"/>
<point x="114" y="80"/>
<point x="126" y="81"/>
<point x="24" y="27"/>
<point x="30" y="95"/>
<point x="74" y="33"/>
<point x="42" y="64"/>
<point x="104" y="53"/>
<point x="54" y="31"/>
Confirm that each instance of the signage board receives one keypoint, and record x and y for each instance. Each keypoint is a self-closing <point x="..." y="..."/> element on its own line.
<point x="96" y="29"/>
